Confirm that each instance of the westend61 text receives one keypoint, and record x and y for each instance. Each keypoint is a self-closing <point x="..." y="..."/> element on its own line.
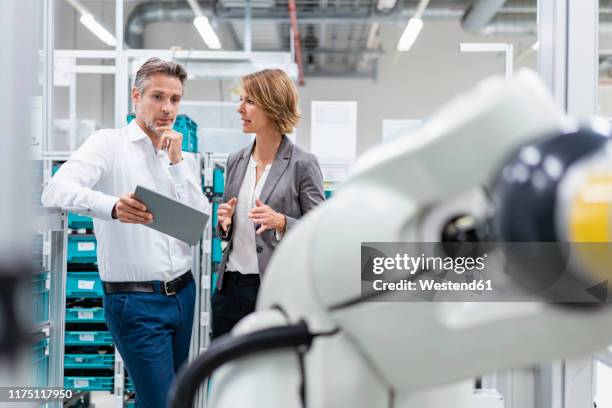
<point x="406" y="285"/>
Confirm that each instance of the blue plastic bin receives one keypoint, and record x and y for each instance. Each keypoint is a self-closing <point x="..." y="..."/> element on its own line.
<point x="215" y="207"/>
<point x="39" y="281"/>
<point x="217" y="252"/>
<point x="88" y="338"/>
<point x="82" y="248"/>
<point x="40" y="297"/>
<point x="218" y="181"/>
<point x="193" y="144"/>
<point x="89" y="361"/>
<point x="89" y="383"/>
<point x="85" y="315"/>
<point x="41" y="306"/>
<point x="84" y="285"/>
<point x="213" y="281"/>
<point x="129" y="386"/>
<point x="77" y="221"/>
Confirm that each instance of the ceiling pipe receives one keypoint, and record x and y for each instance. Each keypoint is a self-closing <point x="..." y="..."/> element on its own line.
<point x="297" y="40"/>
<point x="401" y="15"/>
<point x="516" y="17"/>
<point x="480" y="13"/>
<point x="386" y="5"/>
<point x="153" y="12"/>
<point x="157" y="11"/>
<point x="519" y="18"/>
<point x="511" y="25"/>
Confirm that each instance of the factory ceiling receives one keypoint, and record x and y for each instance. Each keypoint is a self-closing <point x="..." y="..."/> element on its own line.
<point x="338" y="37"/>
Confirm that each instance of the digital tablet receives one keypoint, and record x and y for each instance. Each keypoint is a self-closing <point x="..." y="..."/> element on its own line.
<point x="172" y="217"/>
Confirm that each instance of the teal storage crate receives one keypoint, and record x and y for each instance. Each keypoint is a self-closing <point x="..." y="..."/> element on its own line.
<point x="217" y="252"/>
<point x="186" y="126"/>
<point x="85" y="315"/>
<point x="328" y="194"/>
<point x="39" y="281"/>
<point x="82" y="248"/>
<point x="190" y="143"/>
<point x="89" y="383"/>
<point x="40" y="298"/>
<point x="213" y="281"/>
<point x="84" y="285"/>
<point x="89" y="361"/>
<point x="218" y="181"/>
<point x="39" y="376"/>
<point x="129" y="404"/>
<point x="129" y="385"/>
<point x="88" y="338"/>
<point x="41" y="306"/>
<point x="215" y="208"/>
<point x="77" y="221"/>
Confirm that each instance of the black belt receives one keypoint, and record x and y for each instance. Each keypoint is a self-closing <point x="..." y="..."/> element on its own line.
<point x="168" y="288"/>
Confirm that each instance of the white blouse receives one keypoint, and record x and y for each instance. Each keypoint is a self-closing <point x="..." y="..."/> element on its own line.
<point x="243" y="257"/>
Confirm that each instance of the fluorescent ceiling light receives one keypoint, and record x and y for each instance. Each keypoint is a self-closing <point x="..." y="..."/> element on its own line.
<point x="90" y="22"/>
<point x="206" y="32"/>
<point x="410" y="34"/>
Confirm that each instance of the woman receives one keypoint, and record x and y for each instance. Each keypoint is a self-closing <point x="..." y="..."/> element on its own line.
<point x="270" y="185"/>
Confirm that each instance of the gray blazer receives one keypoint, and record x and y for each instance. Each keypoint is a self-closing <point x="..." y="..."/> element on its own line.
<point x="293" y="187"/>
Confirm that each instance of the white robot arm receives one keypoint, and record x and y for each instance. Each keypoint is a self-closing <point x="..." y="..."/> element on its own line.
<point x="315" y="341"/>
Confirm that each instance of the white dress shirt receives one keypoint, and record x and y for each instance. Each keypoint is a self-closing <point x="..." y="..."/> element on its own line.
<point x="243" y="257"/>
<point x="110" y="163"/>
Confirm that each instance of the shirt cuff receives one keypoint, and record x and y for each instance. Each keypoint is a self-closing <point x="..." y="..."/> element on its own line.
<point x="278" y="235"/>
<point x="104" y="207"/>
<point x="179" y="172"/>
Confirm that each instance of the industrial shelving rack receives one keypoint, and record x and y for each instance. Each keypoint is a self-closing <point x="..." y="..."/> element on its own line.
<point x="49" y="261"/>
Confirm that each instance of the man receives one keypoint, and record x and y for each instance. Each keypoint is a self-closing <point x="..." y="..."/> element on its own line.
<point x="149" y="291"/>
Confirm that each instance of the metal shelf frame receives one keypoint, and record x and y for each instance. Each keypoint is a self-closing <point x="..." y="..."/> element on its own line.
<point x="53" y="224"/>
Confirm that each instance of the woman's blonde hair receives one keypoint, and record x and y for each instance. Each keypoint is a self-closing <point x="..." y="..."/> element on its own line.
<point x="273" y="91"/>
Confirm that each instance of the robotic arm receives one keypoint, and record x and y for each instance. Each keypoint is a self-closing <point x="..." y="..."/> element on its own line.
<point x="316" y="341"/>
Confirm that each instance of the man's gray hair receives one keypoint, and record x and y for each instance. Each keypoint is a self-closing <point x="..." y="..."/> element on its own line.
<point x="156" y="66"/>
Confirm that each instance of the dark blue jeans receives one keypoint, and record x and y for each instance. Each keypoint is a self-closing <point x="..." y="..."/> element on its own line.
<point x="152" y="332"/>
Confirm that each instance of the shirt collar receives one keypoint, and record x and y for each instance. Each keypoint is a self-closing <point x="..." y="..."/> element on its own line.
<point x="135" y="133"/>
<point x="284" y="150"/>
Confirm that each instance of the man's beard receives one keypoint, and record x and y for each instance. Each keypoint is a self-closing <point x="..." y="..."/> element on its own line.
<point x="150" y="124"/>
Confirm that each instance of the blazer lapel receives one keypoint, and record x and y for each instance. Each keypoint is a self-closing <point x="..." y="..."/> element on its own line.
<point x="279" y="165"/>
<point x="241" y="167"/>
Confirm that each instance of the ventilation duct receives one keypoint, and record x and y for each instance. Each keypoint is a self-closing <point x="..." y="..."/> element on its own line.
<point x="514" y="18"/>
